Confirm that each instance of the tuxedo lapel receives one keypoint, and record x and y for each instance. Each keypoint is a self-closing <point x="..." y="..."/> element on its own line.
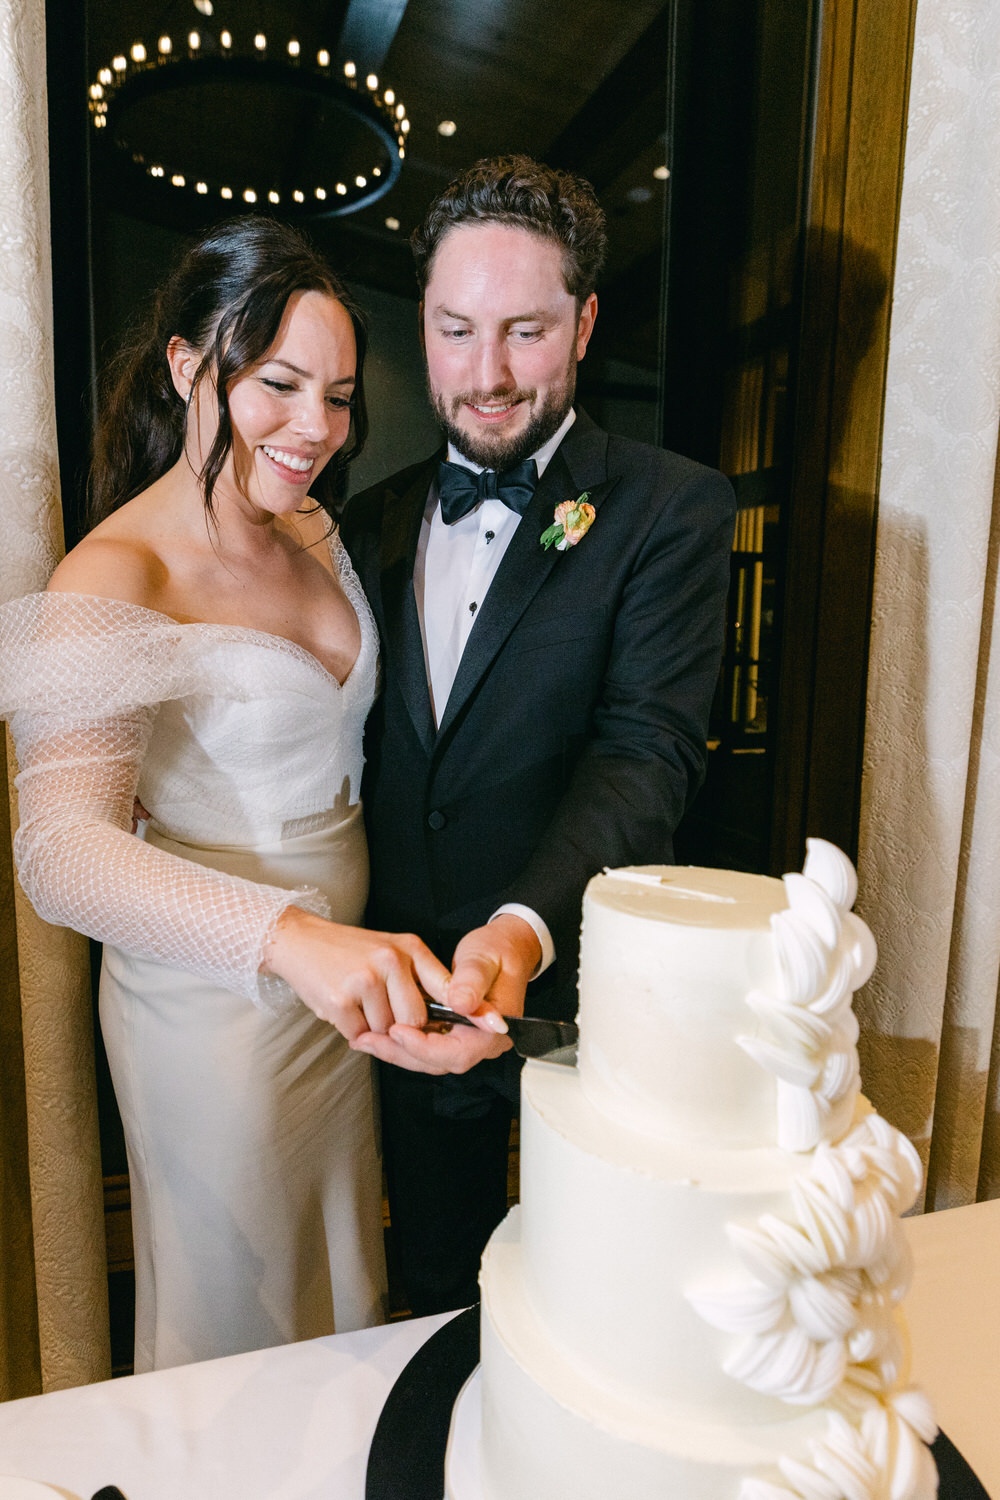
<point x="404" y="649"/>
<point x="579" y="464"/>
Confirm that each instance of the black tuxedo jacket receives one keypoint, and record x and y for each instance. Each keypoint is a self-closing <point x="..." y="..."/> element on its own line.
<point x="574" y="736"/>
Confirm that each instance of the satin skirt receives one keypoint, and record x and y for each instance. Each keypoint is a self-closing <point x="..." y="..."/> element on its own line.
<point x="251" y="1137"/>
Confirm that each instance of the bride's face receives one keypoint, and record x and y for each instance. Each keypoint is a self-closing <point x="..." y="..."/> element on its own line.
<point x="291" y="412"/>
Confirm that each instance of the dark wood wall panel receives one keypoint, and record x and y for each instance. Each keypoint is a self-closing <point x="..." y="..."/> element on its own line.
<point x="862" y="76"/>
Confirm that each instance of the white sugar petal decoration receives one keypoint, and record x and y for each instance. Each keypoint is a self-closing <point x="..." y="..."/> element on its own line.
<point x="803" y="959"/>
<point x="804" y="1025"/>
<point x="810" y="902"/>
<point x="785" y="1064"/>
<point x="828" y="1371"/>
<point x="906" y="1469"/>
<point x="776" y="1364"/>
<point x="839" y="989"/>
<point x="848" y="1468"/>
<point x="790" y="1366"/>
<point x="874" y="1228"/>
<point x="800" y="1118"/>
<point x="753" y="1358"/>
<point x="831" y="869"/>
<point x="875" y="1434"/>
<point x="823" y="1220"/>
<point x="915" y="1174"/>
<point x="803" y="1254"/>
<point x="914" y="1408"/>
<point x="850" y="1282"/>
<point x="829" y="1174"/>
<point x="842" y="1113"/>
<point x="822" y="1308"/>
<point x="840" y="1073"/>
<point x="760" y="1255"/>
<point x="808" y="1484"/>
<point x="861" y="945"/>
<point x="839" y="1433"/>
<point x="861" y="1385"/>
<point x="846" y="1030"/>
<point x="747" y="1308"/>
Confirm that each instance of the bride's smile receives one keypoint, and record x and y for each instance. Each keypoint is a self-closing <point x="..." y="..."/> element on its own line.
<point x="290" y="413"/>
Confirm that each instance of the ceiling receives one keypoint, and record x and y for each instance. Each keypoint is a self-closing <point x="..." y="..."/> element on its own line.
<point x="580" y="84"/>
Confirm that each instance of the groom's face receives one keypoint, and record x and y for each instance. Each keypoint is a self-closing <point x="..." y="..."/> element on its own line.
<point x="502" y="337"/>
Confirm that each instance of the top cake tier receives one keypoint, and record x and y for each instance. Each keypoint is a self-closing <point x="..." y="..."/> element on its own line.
<point x="715" y="1006"/>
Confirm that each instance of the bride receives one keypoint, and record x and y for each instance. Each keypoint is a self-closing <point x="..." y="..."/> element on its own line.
<point x="207" y="649"/>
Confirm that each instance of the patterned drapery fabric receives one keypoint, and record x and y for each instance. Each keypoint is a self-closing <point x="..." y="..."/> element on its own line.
<point x="53" y="1281"/>
<point x="929" y="857"/>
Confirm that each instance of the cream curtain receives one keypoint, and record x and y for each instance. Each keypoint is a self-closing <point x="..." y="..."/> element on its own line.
<point x="53" y="1282"/>
<point x="930" y="819"/>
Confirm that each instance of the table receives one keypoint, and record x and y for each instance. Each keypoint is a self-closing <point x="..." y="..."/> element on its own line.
<point x="295" y="1423"/>
<point x="953" y="1311"/>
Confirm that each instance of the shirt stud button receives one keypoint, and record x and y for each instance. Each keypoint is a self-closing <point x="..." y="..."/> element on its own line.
<point x="490" y="535"/>
<point x="472" y="608"/>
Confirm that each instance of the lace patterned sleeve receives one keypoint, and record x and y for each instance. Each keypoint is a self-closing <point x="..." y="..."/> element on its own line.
<point x="80" y="681"/>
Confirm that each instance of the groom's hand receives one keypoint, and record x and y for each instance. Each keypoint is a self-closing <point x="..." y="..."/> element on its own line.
<point x="491" y="969"/>
<point x="492" y="966"/>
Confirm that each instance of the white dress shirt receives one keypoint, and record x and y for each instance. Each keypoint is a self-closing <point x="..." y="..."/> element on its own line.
<point x="452" y="573"/>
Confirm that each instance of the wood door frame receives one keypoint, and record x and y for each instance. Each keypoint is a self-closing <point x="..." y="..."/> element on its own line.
<point x="862" y="71"/>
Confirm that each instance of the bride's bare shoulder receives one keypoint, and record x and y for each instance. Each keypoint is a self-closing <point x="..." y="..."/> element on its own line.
<point x="114" y="561"/>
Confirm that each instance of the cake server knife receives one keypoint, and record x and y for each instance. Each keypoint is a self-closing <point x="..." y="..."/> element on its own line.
<point x="532" y="1036"/>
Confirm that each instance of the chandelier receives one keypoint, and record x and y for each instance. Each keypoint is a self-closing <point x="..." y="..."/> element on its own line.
<point x="247" y="120"/>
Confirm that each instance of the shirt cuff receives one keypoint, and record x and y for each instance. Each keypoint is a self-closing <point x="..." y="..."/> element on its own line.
<point x="540" y="930"/>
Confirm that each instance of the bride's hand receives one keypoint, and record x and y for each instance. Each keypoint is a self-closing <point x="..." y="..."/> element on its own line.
<point x="360" y="981"/>
<point x="492" y="967"/>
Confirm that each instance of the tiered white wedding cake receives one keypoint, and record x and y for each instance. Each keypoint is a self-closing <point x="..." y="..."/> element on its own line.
<point x="698" y="1296"/>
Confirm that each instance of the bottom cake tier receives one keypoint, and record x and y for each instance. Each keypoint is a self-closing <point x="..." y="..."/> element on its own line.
<point x="548" y="1432"/>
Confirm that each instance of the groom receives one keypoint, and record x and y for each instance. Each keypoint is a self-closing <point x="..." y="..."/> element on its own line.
<point x="544" y="708"/>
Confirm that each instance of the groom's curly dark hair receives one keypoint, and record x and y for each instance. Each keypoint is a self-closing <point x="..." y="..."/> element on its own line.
<point x="517" y="190"/>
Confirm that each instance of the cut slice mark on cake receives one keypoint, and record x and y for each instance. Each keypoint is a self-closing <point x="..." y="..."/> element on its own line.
<point x="662" y="882"/>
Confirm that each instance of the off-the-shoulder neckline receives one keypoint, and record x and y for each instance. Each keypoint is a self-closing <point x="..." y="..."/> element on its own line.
<point x="249" y="631"/>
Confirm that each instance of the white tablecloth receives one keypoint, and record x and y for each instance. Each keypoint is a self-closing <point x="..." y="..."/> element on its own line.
<point x="295" y="1423"/>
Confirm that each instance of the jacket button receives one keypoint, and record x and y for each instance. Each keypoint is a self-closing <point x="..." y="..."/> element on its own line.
<point x="436" y="820"/>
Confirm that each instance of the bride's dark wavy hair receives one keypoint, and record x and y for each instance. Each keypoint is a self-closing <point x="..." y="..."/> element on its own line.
<point x="226" y="298"/>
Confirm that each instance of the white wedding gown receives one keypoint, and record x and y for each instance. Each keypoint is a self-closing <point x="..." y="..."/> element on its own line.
<point x="250" y="1124"/>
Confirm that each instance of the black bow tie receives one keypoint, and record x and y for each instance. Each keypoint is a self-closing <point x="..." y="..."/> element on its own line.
<point x="460" y="491"/>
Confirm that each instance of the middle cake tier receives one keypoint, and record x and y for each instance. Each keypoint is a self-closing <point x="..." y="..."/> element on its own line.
<point x="617" y="1231"/>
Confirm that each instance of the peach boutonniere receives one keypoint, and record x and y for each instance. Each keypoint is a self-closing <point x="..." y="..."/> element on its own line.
<point x="573" y="519"/>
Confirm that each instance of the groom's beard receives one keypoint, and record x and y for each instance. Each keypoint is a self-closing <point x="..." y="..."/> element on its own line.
<point x="495" y="450"/>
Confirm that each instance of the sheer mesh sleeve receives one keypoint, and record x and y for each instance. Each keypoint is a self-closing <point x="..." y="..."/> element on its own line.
<point x="80" y="682"/>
